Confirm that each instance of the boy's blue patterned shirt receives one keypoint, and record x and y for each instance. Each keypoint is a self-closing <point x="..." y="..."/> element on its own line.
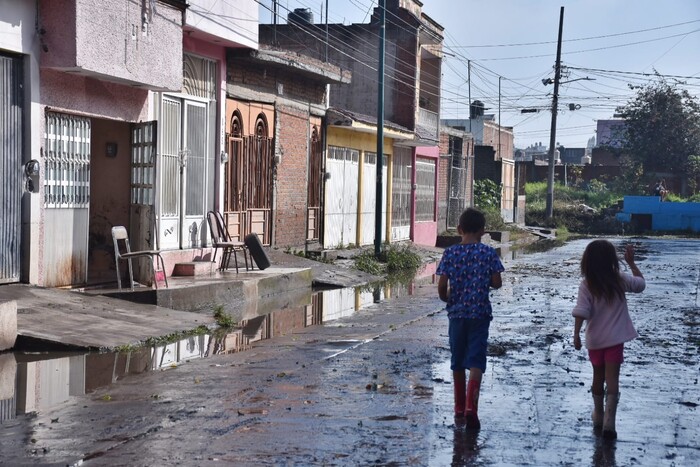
<point x="469" y="268"/>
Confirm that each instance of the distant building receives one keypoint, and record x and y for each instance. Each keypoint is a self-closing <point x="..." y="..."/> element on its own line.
<point x="610" y="133"/>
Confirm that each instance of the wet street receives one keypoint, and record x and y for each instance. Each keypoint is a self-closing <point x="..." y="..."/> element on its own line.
<point x="356" y="382"/>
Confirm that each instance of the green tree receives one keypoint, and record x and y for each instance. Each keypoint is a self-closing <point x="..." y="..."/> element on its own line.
<point x="693" y="166"/>
<point x="662" y="127"/>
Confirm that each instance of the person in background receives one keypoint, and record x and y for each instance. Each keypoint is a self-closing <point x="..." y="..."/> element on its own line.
<point x="603" y="305"/>
<point x="660" y="189"/>
<point x="468" y="270"/>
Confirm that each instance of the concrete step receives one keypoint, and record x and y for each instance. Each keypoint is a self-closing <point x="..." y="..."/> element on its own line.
<point x="194" y="268"/>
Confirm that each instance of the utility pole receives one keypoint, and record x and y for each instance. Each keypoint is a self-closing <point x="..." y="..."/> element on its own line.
<point x="380" y="132"/>
<point x="499" y="119"/>
<point x="469" y="81"/>
<point x="553" y="130"/>
<point x="326" y="30"/>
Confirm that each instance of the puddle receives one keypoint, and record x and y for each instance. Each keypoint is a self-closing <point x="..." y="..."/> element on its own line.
<point x="32" y="381"/>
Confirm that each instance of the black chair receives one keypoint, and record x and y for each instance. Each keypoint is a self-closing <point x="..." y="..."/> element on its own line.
<point x="220" y="238"/>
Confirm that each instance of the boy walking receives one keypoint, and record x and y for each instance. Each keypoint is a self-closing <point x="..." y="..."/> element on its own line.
<point x="467" y="272"/>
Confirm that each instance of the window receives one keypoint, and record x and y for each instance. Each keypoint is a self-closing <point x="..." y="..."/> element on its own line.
<point x="67" y="162"/>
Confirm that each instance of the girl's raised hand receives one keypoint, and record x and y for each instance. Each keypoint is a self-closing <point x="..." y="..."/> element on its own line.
<point x="629" y="254"/>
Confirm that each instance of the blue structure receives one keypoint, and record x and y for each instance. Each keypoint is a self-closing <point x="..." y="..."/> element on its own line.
<point x="650" y="213"/>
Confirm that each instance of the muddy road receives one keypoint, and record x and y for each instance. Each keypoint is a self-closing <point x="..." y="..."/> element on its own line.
<point x="375" y="387"/>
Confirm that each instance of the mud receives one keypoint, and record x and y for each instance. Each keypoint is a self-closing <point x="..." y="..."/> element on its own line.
<point x="374" y="387"/>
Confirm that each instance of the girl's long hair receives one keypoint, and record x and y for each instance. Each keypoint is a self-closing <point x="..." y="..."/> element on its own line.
<point x="601" y="269"/>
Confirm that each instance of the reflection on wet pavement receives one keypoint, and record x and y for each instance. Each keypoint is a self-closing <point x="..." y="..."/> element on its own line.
<point x="38" y="381"/>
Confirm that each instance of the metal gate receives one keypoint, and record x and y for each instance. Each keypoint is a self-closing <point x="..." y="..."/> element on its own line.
<point x="184" y="178"/>
<point x="248" y="187"/>
<point x="341" y="197"/>
<point x="11" y="139"/>
<point x="66" y="199"/>
<point x="401" y="194"/>
<point x="457" y="202"/>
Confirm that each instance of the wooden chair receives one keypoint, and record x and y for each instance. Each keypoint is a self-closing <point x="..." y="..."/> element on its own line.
<point x="119" y="233"/>
<point x="220" y="238"/>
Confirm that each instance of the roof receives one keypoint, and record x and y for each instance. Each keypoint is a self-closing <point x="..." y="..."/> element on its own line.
<point x="364" y="123"/>
<point x="302" y="64"/>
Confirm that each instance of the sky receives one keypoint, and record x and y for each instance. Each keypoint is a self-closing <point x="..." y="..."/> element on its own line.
<point x="607" y="45"/>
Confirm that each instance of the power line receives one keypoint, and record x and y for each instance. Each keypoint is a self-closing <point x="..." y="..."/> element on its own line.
<point x="580" y="38"/>
<point x="633" y="73"/>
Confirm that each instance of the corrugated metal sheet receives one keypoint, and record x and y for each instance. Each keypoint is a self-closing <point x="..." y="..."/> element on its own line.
<point x="11" y="140"/>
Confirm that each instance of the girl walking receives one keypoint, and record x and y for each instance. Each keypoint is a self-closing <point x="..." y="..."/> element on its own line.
<point x="603" y="305"/>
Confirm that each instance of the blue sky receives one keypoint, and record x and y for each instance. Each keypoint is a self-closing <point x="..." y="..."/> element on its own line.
<point x="610" y="41"/>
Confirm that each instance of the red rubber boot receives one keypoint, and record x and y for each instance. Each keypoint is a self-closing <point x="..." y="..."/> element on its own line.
<point x="460" y="387"/>
<point x="473" y="404"/>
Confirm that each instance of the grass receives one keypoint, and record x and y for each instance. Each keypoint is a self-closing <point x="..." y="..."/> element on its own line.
<point x="222" y="318"/>
<point x="393" y="259"/>
<point x="575" y="209"/>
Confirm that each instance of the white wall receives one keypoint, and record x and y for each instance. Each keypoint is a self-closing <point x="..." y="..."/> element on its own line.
<point x="234" y="21"/>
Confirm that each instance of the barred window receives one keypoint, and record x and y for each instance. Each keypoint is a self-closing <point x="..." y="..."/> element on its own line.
<point x="67" y="161"/>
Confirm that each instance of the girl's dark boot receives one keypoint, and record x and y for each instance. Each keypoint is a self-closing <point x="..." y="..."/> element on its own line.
<point x="598" y="412"/>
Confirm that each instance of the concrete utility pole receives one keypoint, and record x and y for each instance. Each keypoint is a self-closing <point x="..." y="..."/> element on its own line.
<point x="553" y="130"/>
<point x="380" y="132"/>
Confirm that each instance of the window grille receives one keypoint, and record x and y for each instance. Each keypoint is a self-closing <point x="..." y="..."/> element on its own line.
<point x="143" y="164"/>
<point x="67" y="161"/>
<point x="199" y="77"/>
<point x="425" y="190"/>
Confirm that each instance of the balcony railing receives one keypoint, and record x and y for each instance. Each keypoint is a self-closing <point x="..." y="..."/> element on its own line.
<point x="428" y="121"/>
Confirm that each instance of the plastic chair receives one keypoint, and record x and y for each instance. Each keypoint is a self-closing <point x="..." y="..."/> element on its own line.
<point x="220" y="238"/>
<point x="119" y="233"/>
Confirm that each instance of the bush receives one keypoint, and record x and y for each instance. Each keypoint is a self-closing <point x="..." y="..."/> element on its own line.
<point x="569" y="211"/>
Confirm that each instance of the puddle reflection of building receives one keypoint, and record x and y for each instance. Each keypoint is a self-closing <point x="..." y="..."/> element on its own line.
<point x="465" y="446"/>
<point x="8" y="374"/>
<point x="604" y="453"/>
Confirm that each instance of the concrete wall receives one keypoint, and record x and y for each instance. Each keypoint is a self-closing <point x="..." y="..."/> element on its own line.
<point x="236" y="24"/>
<point x="69" y="93"/>
<point x="8" y="324"/>
<point x="122" y="43"/>
<point x="664" y="215"/>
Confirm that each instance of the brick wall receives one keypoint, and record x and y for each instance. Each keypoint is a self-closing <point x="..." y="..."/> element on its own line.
<point x="274" y="81"/>
<point x="443" y="176"/>
<point x="290" y="187"/>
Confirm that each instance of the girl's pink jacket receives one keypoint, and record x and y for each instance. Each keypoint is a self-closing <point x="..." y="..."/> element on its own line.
<point x="607" y="323"/>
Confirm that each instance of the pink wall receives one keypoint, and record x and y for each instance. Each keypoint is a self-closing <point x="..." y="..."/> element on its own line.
<point x="73" y="93"/>
<point x="425" y="233"/>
